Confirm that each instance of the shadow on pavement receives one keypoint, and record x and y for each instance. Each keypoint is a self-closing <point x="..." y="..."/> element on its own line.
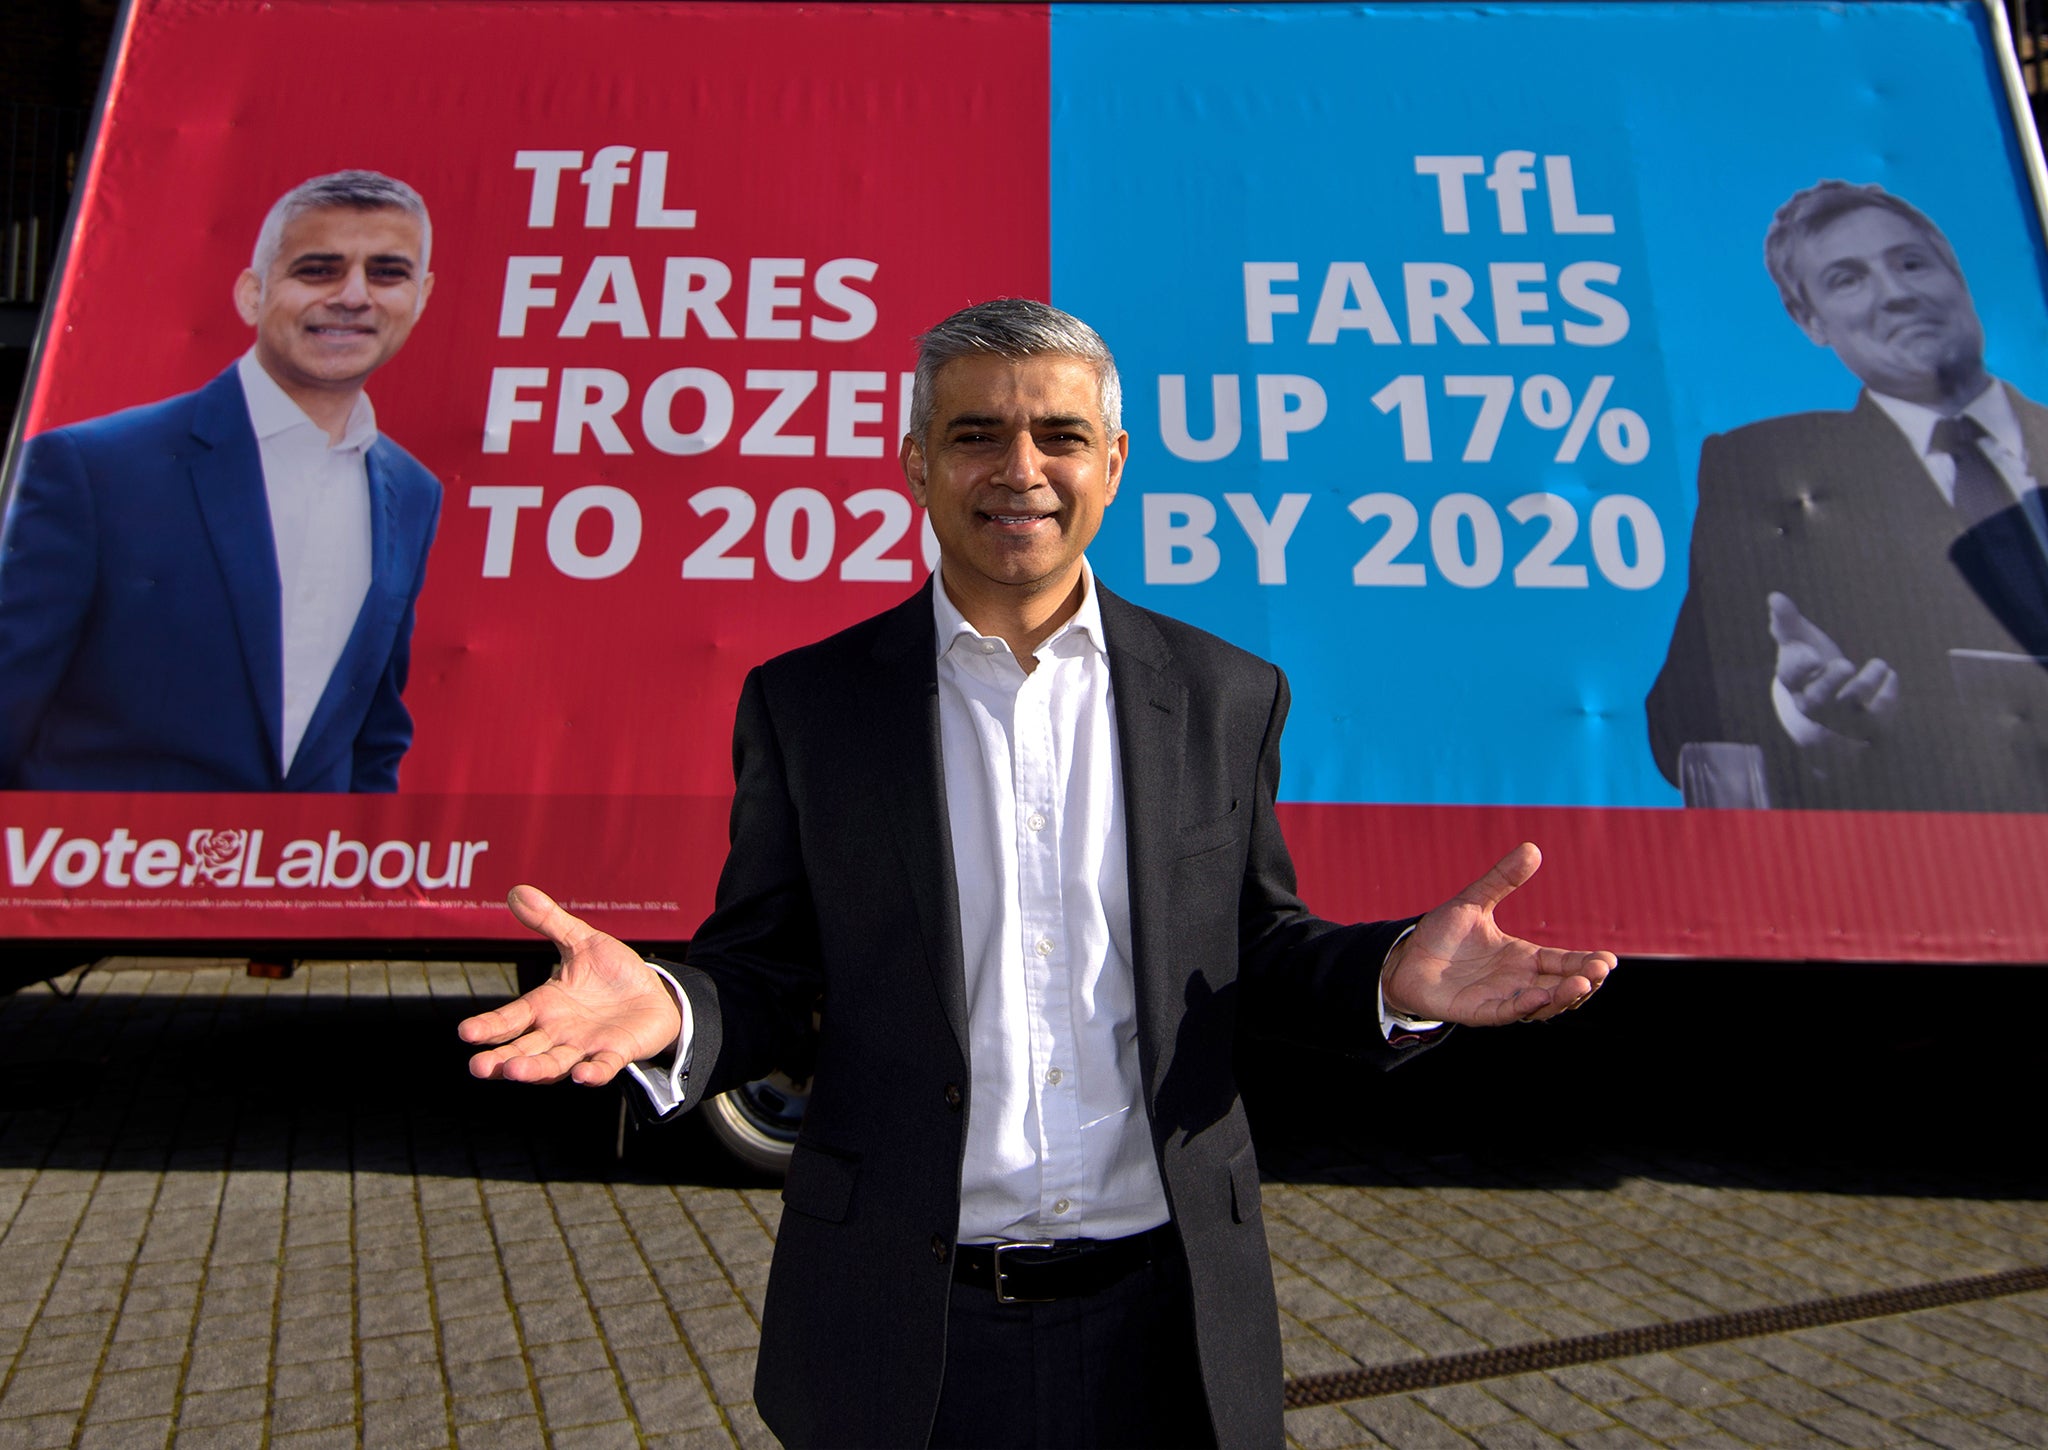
<point x="124" y="1080"/>
<point x="1861" y="1080"/>
<point x="1856" y="1079"/>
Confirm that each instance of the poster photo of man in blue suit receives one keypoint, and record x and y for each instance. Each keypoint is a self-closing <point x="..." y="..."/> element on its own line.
<point x="215" y="592"/>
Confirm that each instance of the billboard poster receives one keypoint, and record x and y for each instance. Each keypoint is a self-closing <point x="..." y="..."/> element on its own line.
<point x="1637" y="466"/>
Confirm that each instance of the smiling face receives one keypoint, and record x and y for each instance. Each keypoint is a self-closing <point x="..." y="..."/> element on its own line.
<point x="1884" y="298"/>
<point x="337" y="303"/>
<point x="1015" y="469"/>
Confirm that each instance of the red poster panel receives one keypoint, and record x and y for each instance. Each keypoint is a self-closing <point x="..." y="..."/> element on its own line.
<point x="680" y="252"/>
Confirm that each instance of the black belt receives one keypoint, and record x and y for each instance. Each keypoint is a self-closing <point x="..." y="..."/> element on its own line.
<point x="1042" y="1271"/>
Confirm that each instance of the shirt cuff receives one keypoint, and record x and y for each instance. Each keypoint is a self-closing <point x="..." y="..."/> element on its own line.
<point x="667" y="1083"/>
<point x="1400" y="1031"/>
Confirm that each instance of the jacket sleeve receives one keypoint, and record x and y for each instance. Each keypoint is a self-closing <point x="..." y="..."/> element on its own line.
<point x="1302" y="978"/>
<point x="47" y="576"/>
<point x="386" y="731"/>
<point x="752" y="974"/>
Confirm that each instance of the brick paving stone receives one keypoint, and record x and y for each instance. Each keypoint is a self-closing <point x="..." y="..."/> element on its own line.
<point x="2016" y="1385"/>
<point x="479" y="1337"/>
<point x="468" y="1409"/>
<point x="1956" y="1433"/>
<point x="1325" y="1427"/>
<point x="1614" y="1437"/>
<point x="1959" y="1396"/>
<point x="1789" y="1396"/>
<point x="706" y="1438"/>
<point x="645" y="1363"/>
<point x="2027" y="1427"/>
<point x="404" y="1424"/>
<point x="1675" y="1381"/>
<point x="1755" y="1424"/>
<point x="731" y="1376"/>
<point x="631" y="1323"/>
<point x="724" y="1328"/>
<point x="1852" y="1427"/>
<point x="1403" y="1420"/>
<point x="133" y="1394"/>
<point x="616" y="1435"/>
<point x="145" y="1353"/>
<point x="674" y="1403"/>
<point x="501" y="1435"/>
<point x="220" y="1407"/>
<point x="1549" y="1404"/>
<point x="152" y="1434"/>
<point x="1659" y="1419"/>
<point x="580" y="1399"/>
<point x="312" y="1412"/>
<point x="570" y="1356"/>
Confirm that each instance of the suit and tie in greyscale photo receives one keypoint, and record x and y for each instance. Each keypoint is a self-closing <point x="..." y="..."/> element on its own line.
<point x="1866" y="617"/>
<point x="216" y="592"/>
<point x="1014" y="842"/>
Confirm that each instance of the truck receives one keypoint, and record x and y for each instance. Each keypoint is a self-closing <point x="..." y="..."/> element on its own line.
<point x="1429" y="318"/>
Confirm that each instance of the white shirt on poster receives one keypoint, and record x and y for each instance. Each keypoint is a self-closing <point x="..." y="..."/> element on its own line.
<point x="319" y="494"/>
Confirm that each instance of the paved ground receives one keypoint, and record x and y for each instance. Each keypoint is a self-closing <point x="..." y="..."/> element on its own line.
<point x="237" y="1212"/>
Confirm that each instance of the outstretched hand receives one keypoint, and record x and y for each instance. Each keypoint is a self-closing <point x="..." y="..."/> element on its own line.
<point x="1828" y="687"/>
<point x="1457" y="966"/>
<point x="602" y="1009"/>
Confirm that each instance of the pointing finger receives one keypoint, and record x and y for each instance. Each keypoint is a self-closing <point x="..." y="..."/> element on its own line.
<point x="1510" y="871"/>
<point x="537" y="911"/>
<point x="1787" y="623"/>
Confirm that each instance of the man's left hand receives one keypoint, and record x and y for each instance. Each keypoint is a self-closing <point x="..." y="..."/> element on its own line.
<point x="1458" y="966"/>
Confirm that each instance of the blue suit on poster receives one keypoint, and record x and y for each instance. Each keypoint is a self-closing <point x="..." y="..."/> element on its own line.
<point x="140" y="636"/>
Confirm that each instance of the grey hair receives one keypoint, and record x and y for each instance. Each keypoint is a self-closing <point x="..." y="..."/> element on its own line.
<point x="355" y="190"/>
<point x="1012" y="327"/>
<point x="1808" y="212"/>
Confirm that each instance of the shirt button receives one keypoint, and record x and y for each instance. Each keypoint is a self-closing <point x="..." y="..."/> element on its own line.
<point x="1045" y="947"/>
<point x="1053" y="1076"/>
<point x="1060" y="1205"/>
<point x="952" y="1094"/>
<point x="988" y="646"/>
<point x="939" y="1247"/>
<point x="1035" y="821"/>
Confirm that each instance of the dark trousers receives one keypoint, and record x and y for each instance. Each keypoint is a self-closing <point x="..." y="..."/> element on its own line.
<point x="1104" y="1371"/>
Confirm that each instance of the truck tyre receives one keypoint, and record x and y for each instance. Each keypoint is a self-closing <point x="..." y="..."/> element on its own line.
<point x="758" y="1123"/>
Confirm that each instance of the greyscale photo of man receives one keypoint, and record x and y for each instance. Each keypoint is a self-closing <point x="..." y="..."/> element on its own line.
<point x="1866" y="617"/>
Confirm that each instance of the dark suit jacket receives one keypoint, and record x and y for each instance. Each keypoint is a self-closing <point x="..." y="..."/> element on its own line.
<point x="840" y="885"/>
<point x="1835" y="511"/>
<point x="141" y="646"/>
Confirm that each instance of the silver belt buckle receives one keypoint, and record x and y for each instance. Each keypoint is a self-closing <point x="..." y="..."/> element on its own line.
<point x="1003" y="1295"/>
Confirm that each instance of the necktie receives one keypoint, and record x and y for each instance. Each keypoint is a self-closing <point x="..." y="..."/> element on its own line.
<point x="1980" y="492"/>
<point x="1996" y="535"/>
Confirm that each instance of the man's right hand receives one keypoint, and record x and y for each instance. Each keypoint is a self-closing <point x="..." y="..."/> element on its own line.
<point x="602" y="1009"/>
<point x="1825" y="685"/>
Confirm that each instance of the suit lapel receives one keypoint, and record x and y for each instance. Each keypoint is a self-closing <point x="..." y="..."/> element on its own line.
<point x="901" y="728"/>
<point x="2001" y="557"/>
<point x="227" y="479"/>
<point x="1151" y="725"/>
<point x="369" y="639"/>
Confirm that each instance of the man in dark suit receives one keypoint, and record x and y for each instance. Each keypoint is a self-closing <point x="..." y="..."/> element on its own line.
<point x="216" y="592"/>
<point x="1868" y="589"/>
<point x="1018" y="838"/>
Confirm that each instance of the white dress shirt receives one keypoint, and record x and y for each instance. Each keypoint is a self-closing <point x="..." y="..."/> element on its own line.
<point x="2004" y="445"/>
<point x="1058" y="1141"/>
<point x="319" y="496"/>
<point x="1058" y="1144"/>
